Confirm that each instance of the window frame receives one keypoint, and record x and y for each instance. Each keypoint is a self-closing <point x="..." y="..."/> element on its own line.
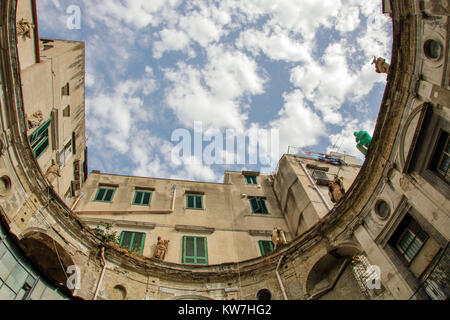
<point x="259" y="199"/>
<point x="194" y="257"/>
<point x="133" y="235"/>
<point x="246" y="178"/>
<point x="261" y="247"/>
<point x="39" y="137"/>
<point x="195" y="202"/>
<point x="106" y="188"/>
<point x="423" y="147"/>
<point x="142" y="198"/>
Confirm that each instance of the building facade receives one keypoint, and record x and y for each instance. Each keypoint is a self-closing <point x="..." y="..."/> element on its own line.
<point x="232" y="220"/>
<point x="386" y="238"/>
<point x="52" y="75"/>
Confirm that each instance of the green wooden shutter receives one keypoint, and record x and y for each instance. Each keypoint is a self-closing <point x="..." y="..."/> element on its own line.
<point x="137" y="197"/>
<point x="198" y="202"/>
<point x="109" y="194"/>
<point x="195" y="250"/>
<point x="265" y="247"/>
<point x="263" y="205"/>
<point x="147" y="198"/>
<point x="254" y="204"/>
<point x="99" y="195"/>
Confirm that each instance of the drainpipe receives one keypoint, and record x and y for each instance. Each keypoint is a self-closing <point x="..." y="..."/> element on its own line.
<point x="76" y="201"/>
<point x="279" y="279"/>
<point x="134" y="211"/>
<point x="102" y="274"/>
<point x="173" y="197"/>
<point x="315" y="186"/>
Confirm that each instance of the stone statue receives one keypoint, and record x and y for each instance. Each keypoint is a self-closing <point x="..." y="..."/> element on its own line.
<point x="363" y="140"/>
<point x="278" y="237"/>
<point x="35" y="120"/>
<point x="53" y="172"/>
<point x="336" y="190"/>
<point x="161" y="248"/>
<point x="381" y="66"/>
<point x="23" y="28"/>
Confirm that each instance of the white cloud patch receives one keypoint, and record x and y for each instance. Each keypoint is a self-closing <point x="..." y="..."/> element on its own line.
<point x="213" y="94"/>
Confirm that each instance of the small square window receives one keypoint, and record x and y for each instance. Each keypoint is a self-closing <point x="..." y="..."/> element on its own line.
<point x="258" y="205"/>
<point x="66" y="111"/>
<point x="195" y="250"/>
<point x="194" y="201"/>
<point x="142" y="198"/>
<point x="408" y="239"/>
<point x="105" y="194"/>
<point x="251" y="179"/>
<point x="65" y="90"/>
<point x="132" y="241"/>
<point x="265" y="247"/>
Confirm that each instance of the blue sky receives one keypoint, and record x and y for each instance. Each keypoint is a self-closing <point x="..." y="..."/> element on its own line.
<point x="302" y="67"/>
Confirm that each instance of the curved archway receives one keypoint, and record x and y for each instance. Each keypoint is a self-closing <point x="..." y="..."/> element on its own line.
<point x="329" y="268"/>
<point x="48" y="255"/>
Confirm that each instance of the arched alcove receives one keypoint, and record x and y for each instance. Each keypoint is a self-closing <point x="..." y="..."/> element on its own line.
<point x="48" y="254"/>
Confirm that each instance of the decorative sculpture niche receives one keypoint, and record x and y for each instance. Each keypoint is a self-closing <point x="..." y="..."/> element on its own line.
<point x="381" y="66"/>
<point x="23" y="28"/>
<point x="278" y="238"/>
<point x="161" y="248"/>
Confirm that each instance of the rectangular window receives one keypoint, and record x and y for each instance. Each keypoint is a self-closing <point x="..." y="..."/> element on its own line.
<point x="66" y="111"/>
<point x="132" y="241"/>
<point x="65" y="154"/>
<point x="265" y="247"/>
<point x="65" y="90"/>
<point x="142" y="198"/>
<point x="39" y="139"/>
<point x="408" y="239"/>
<point x="440" y="160"/>
<point x="195" y="250"/>
<point x="194" y="201"/>
<point x="258" y="205"/>
<point x="251" y="179"/>
<point x="104" y="194"/>
<point x="321" y="177"/>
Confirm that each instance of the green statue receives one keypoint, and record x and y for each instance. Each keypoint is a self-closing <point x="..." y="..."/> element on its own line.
<point x="363" y="140"/>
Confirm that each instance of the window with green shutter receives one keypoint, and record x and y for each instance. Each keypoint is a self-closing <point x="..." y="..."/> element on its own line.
<point x="39" y="139"/>
<point x="258" y="205"/>
<point x="251" y="179"/>
<point x="132" y="241"/>
<point x="408" y="238"/>
<point x="104" y="194"/>
<point x="194" y="201"/>
<point x="142" y="198"/>
<point x="195" y="250"/>
<point x="265" y="247"/>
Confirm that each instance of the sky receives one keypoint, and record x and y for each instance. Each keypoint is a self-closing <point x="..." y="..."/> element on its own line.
<point x="297" y="72"/>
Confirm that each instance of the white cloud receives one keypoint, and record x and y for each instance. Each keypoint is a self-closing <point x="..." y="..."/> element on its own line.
<point x="171" y="39"/>
<point x="213" y="94"/>
<point x="276" y="45"/>
<point x="298" y="124"/>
